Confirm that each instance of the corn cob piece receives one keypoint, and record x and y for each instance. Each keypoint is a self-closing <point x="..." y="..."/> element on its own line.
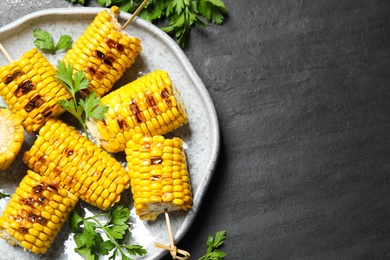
<point x="36" y="212"/>
<point x="159" y="176"/>
<point x="12" y="137"/>
<point x="104" y="51"/>
<point x="61" y="153"/>
<point x="30" y="89"/>
<point x="149" y="105"/>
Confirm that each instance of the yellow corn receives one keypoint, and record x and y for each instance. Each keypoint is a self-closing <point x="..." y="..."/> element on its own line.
<point x="61" y="153"/>
<point x="159" y="177"/>
<point x="11" y="137"/>
<point x="30" y="89"/>
<point x="36" y="212"/>
<point x="104" y="51"/>
<point x="148" y="105"/>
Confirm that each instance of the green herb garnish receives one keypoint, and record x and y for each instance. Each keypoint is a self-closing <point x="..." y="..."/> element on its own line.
<point x="44" y="41"/>
<point x="90" y="242"/>
<point x="213" y="245"/>
<point x="181" y="14"/>
<point x="85" y="109"/>
<point x="3" y="195"/>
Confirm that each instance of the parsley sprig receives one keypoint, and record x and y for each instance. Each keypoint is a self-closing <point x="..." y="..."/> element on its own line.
<point x="213" y="245"/>
<point x="44" y="41"/>
<point x="3" y="195"/>
<point x="181" y="14"/>
<point x="90" y="242"/>
<point x="90" y="107"/>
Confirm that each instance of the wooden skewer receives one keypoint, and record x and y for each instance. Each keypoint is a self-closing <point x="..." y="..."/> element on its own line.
<point x="6" y="54"/>
<point x="175" y="252"/>
<point x="134" y="14"/>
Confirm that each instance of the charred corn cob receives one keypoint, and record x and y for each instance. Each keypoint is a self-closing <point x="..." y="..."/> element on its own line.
<point x="12" y="137"/>
<point x="104" y="51"/>
<point x="36" y="212"/>
<point x="61" y="153"/>
<point x="148" y="105"/>
<point x="30" y="89"/>
<point x="159" y="177"/>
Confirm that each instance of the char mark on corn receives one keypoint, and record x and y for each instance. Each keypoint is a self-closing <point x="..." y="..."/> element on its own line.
<point x="159" y="176"/>
<point x="104" y="52"/>
<point x="149" y="105"/>
<point x="36" y="212"/>
<point x="61" y="153"/>
<point x="30" y="89"/>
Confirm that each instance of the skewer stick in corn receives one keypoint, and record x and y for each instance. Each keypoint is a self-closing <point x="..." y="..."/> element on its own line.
<point x="5" y="52"/>
<point x="61" y="153"/>
<point x="159" y="176"/>
<point x="30" y="89"/>
<point x="132" y="17"/>
<point x="12" y="137"/>
<point x="159" y="180"/>
<point x="104" y="51"/>
<point x="174" y="251"/>
<point x="36" y="212"/>
<point x="149" y="105"/>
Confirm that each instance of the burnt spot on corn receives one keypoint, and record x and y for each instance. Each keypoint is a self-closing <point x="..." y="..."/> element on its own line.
<point x="109" y="60"/>
<point x="155" y="178"/>
<point x="123" y="126"/>
<point x="156" y="160"/>
<point x="53" y="187"/>
<point x="17" y="73"/>
<point x="39" y="188"/>
<point x="23" y="230"/>
<point x="140" y="117"/>
<point x="68" y="152"/>
<point x="166" y="96"/>
<point x="91" y="69"/>
<point x="115" y="45"/>
<point x="23" y="88"/>
<point x="11" y="77"/>
<point x="7" y="79"/>
<point x="98" y="54"/>
<point x="151" y="102"/>
<point x="35" y="102"/>
<point x="133" y="107"/>
<point x="165" y="93"/>
<point x="42" y="200"/>
<point x="29" y="201"/>
<point x="47" y="112"/>
<point x="34" y="218"/>
<point x="136" y="112"/>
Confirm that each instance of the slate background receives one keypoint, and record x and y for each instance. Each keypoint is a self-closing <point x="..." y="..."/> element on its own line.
<point x="302" y="92"/>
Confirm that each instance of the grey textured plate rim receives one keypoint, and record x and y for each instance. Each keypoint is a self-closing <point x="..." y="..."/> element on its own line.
<point x="201" y="89"/>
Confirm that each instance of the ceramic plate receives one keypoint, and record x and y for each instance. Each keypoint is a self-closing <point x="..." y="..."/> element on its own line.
<point x="201" y="134"/>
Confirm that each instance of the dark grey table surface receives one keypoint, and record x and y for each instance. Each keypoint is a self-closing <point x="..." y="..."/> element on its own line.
<point x="302" y="93"/>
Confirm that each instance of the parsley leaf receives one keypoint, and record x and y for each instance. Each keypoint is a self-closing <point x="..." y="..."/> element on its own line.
<point x="94" y="238"/>
<point x="90" y="107"/>
<point x="44" y="41"/>
<point x="3" y="195"/>
<point x="212" y="10"/>
<point x="213" y="244"/>
<point x="181" y="15"/>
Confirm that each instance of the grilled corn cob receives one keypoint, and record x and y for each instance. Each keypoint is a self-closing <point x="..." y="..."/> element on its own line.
<point x="104" y="51"/>
<point x="148" y="105"/>
<point x="61" y="153"/>
<point x="12" y="137"/>
<point x="36" y="212"/>
<point x="159" y="177"/>
<point x="30" y="89"/>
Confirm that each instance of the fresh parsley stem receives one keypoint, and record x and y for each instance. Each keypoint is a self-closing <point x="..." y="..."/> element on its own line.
<point x="103" y="227"/>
